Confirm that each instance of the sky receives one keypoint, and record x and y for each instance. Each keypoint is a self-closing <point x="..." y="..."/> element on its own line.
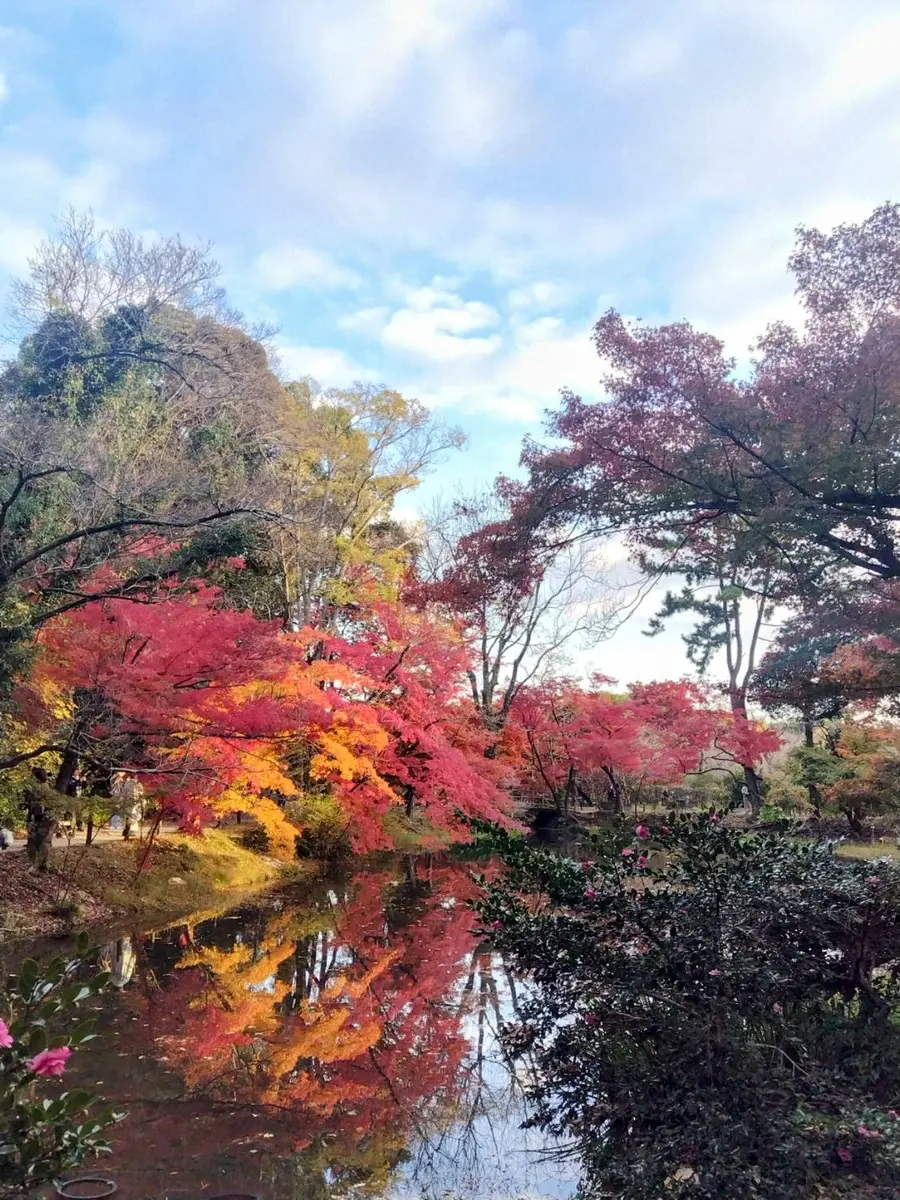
<point x="443" y="195"/>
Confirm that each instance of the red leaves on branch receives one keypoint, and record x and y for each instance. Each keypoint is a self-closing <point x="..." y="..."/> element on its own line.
<point x="207" y="704"/>
<point x="573" y="742"/>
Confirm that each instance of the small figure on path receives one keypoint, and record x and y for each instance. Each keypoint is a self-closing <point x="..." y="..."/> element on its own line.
<point x="41" y="820"/>
<point x="129" y="796"/>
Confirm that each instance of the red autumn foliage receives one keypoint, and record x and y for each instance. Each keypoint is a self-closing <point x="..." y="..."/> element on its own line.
<point x="207" y="706"/>
<point x="569" y="738"/>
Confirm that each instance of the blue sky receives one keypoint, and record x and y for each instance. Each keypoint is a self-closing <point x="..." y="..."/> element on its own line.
<point x="443" y="194"/>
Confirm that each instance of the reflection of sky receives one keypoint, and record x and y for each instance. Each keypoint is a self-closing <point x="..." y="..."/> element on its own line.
<point x="461" y="1142"/>
<point x="485" y="1152"/>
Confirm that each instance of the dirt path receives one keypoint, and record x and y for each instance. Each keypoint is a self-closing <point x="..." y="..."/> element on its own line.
<point x="101" y="835"/>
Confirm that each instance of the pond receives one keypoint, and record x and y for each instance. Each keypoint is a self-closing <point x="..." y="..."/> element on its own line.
<point x="336" y="1038"/>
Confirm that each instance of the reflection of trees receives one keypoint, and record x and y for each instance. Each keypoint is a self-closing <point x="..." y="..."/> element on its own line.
<point x="360" y="1021"/>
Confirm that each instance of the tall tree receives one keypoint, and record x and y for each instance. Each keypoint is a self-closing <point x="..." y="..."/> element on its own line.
<point x="137" y="402"/>
<point x="343" y="459"/>
<point x="521" y="605"/>
<point x="805" y="449"/>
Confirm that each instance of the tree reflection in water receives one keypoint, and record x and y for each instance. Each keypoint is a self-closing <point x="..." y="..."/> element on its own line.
<point x="340" y="1038"/>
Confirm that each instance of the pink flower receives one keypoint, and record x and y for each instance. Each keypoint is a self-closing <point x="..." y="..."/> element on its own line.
<point x="715" y="971"/>
<point x="642" y="831"/>
<point x="844" y="1154"/>
<point x="587" y="865"/>
<point x="591" y="894"/>
<point x="627" y="852"/>
<point x="864" y="1132"/>
<point x="642" y="861"/>
<point x="591" y="1018"/>
<point x="6" y="1038"/>
<point x="497" y="925"/>
<point x="776" y="1008"/>
<point x="665" y="829"/>
<point x="893" y="1114"/>
<point x="714" y="817"/>
<point x="50" y="1062"/>
<point x="643" y="949"/>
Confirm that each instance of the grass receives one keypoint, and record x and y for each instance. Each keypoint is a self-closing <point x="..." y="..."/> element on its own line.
<point x="181" y="871"/>
<point x="104" y="882"/>
<point x="868" y="850"/>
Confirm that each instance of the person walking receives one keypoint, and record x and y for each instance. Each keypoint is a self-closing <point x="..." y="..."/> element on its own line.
<point x="129" y="796"/>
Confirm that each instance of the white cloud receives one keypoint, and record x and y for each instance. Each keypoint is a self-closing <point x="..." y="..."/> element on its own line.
<point x="439" y="325"/>
<point x="518" y="383"/>
<point x="4" y="88"/>
<point x="18" y="239"/>
<point x="539" y="296"/>
<point x="328" y="365"/>
<point x="366" y="321"/>
<point x="292" y="266"/>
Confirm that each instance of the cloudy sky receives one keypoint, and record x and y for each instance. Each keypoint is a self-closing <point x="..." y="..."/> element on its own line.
<point x="443" y="194"/>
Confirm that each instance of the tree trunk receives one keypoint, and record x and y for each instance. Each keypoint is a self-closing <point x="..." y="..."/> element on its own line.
<point x="615" y="790"/>
<point x="815" y="799"/>
<point x="754" y="792"/>
<point x="854" y="821"/>
<point x="569" y="790"/>
<point x="40" y="841"/>
<point x="67" y="771"/>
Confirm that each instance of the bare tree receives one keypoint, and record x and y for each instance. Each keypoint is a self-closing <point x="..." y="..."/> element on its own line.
<point x="525" y="607"/>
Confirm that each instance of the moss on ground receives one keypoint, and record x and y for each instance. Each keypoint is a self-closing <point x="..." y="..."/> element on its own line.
<point x="107" y="881"/>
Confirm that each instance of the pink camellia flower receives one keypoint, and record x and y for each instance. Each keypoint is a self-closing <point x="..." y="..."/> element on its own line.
<point x="714" y="817"/>
<point x="591" y="894"/>
<point x="497" y="925"/>
<point x="643" y="949"/>
<point x="6" y="1038"/>
<point x="627" y="852"/>
<point x="642" y="861"/>
<point x="591" y="1018"/>
<point x="776" y="1008"/>
<point x="844" y="1154"/>
<point x="642" y="831"/>
<point x="865" y="1132"/>
<point x="893" y="1114"/>
<point x="715" y="971"/>
<point x="50" y="1062"/>
<point x="587" y="865"/>
<point x="665" y="829"/>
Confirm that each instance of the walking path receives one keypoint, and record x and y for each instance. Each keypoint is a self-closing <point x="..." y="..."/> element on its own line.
<point x="102" y="835"/>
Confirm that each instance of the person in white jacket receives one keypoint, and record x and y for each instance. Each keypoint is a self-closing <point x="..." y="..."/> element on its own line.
<point x="128" y="794"/>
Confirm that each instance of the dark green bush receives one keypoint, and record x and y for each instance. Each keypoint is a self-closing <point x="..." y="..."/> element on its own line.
<point x="713" y="1014"/>
<point x="46" y="1127"/>
<point x="257" y="839"/>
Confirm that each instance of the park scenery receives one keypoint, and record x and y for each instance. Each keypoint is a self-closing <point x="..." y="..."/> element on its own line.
<point x="390" y="807"/>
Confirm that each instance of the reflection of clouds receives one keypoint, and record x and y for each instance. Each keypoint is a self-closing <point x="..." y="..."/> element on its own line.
<point x="120" y="960"/>
<point x="358" y="1023"/>
<point x="485" y="1152"/>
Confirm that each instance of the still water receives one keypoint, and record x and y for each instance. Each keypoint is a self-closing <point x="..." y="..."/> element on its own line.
<point x="334" y="1039"/>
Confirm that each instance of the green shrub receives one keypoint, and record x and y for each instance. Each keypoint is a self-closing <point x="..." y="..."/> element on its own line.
<point x="323" y="827"/>
<point x="713" y="1014"/>
<point x="45" y="1127"/>
<point x="789" y="797"/>
<point x="257" y="839"/>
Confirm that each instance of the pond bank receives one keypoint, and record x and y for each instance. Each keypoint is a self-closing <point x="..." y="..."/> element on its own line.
<point x="107" y="882"/>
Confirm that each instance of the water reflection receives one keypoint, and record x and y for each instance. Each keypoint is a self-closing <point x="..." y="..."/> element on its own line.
<point x="342" y="1038"/>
